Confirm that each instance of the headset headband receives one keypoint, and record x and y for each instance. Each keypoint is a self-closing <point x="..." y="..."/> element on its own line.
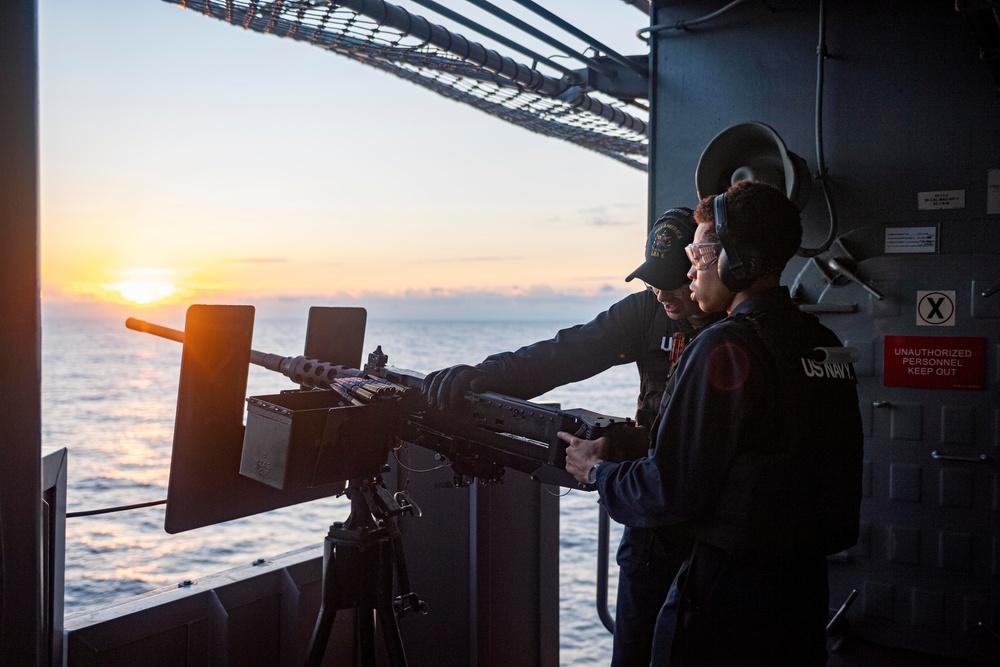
<point x="722" y="229"/>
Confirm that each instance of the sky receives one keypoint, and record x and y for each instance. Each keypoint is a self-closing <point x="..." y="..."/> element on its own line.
<point x="219" y="165"/>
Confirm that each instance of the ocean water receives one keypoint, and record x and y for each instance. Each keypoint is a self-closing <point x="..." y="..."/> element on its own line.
<point x="108" y="396"/>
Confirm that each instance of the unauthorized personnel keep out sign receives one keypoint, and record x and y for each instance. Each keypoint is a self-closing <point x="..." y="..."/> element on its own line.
<point x="934" y="362"/>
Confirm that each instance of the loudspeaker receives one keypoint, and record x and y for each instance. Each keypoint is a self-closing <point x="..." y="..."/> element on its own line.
<point x="754" y="152"/>
<point x="739" y="264"/>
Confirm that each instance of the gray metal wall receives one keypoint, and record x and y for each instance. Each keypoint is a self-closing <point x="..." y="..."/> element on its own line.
<point x="486" y="561"/>
<point x="909" y="108"/>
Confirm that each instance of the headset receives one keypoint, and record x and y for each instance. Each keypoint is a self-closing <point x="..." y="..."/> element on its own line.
<point x="739" y="267"/>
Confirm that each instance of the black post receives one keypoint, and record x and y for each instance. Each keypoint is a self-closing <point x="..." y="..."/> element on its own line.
<point x="20" y="355"/>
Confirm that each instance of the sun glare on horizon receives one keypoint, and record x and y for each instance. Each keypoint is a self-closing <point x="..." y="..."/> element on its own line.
<point x="143" y="286"/>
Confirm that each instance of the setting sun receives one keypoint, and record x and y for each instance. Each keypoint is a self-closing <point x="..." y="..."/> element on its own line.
<point x="144" y="286"/>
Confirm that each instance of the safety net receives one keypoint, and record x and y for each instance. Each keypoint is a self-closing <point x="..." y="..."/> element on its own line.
<point x="391" y="39"/>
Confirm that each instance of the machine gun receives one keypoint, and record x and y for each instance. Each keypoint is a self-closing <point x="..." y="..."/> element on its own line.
<point x="333" y="435"/>
<point x="342" y="421"/>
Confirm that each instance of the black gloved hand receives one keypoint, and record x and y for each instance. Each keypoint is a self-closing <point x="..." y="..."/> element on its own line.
<point x="444" y="389"/>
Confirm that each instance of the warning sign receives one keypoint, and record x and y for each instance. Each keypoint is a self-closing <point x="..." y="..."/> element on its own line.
<point x="936" y="309"/>
<point x="934" y="362"/>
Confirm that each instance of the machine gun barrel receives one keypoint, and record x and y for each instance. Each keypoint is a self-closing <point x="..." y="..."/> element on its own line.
<point x="155" y="329"/>
<point x="301" y="370"/>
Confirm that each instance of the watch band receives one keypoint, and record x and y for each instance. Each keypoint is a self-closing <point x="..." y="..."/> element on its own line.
<point x="592" y="474"/>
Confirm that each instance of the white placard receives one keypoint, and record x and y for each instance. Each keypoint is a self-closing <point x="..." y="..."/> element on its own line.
<point x="934" y="201"/>
<point x="910" y="239"/>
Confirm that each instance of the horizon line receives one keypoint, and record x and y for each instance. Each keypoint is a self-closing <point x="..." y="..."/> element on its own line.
<point x="471" y="305"/>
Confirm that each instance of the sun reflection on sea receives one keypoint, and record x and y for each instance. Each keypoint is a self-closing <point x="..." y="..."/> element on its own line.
<point x="108" y="540"/>
<point x="151" y="477"/>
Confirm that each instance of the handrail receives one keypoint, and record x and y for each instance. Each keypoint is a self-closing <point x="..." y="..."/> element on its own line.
<point x="603" y="545"/>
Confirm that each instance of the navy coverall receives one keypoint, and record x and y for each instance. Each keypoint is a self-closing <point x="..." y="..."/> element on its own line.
<point x="757" y="466"/>
<point x="636" y="329"/>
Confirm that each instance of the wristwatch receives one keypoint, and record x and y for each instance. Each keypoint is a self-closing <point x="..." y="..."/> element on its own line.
<point x="592" y="475"/>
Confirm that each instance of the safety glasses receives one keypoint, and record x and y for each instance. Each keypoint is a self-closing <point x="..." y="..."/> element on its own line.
<point x="703" y="255"/>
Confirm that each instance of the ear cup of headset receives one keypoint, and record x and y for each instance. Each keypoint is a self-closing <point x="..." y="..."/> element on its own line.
<point x="739" y="263"/>
<point x="739" y="280"/>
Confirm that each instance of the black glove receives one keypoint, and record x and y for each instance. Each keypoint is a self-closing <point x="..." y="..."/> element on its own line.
<point x="445" y="389"/>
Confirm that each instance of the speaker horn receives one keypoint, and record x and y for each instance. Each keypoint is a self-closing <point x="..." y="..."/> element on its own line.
<point x="754" y="152"/>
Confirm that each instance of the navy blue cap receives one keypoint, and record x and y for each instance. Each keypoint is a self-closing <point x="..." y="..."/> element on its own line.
<point x="667" y="264"/>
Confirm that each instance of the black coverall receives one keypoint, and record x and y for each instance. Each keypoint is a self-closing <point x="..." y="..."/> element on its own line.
<point x="757" y="465"/>
<point x="636" y="329"/>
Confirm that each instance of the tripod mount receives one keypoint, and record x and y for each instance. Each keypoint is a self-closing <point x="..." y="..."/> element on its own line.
<point x="360" y="557"/>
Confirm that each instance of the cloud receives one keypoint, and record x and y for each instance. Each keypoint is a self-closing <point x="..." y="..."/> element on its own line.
<point x="463" y="260"/>
<point x="610" y="215"/>
<point x="259" y="260"/>
<point x="531" y="304"/>
<point x="605" y="215"/>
